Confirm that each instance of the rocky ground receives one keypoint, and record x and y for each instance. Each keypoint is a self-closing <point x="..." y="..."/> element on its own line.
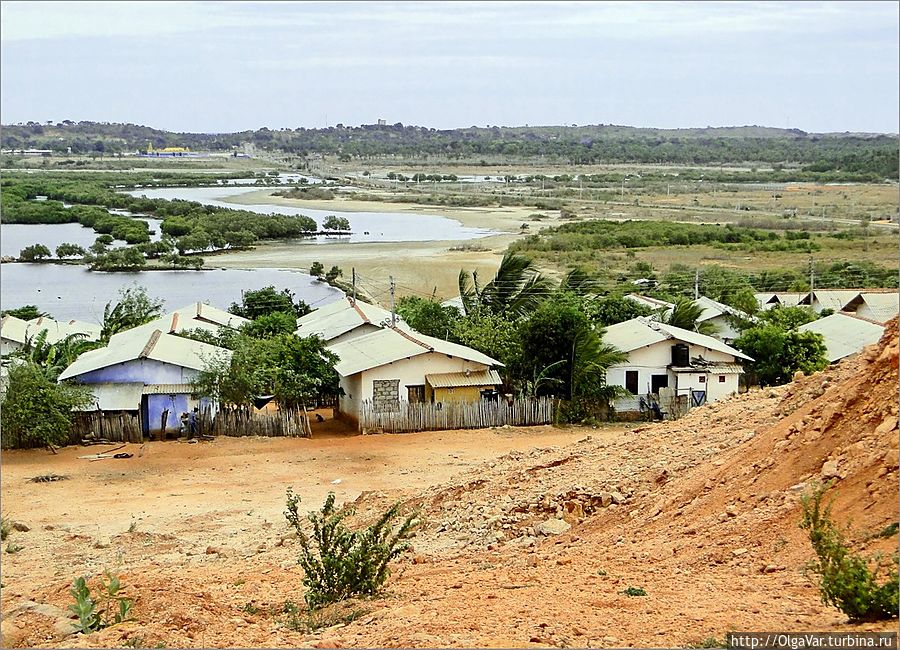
<point x="543" y="544"/>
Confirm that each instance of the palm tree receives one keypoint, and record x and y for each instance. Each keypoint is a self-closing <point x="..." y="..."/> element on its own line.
<point x="516" y="289"/>
<point x="53" y="358"/>
<point x="591" y="358"/>
<point x="686" y="314"/>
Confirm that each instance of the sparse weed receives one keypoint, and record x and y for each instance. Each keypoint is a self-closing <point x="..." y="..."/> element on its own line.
<point x="601" y="572"/>
<point x="107" y="608"/>
<point x="250" y="608"/>
<point x="708" y="642"/>
<point x="13" y="548"/>
<point x="846" y="580"/>
<point x="5" y="528"/>
<point x="306" y="621"/>
<point x="133" y="526"/>
<point x="634" y="591"/>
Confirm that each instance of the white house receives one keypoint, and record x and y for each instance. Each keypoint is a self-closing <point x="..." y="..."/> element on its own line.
<point x="669" y="360"/>
<point x="392" y="365"/>
<point x="720" y="315"/>
<point x="15" y="333"/>
<point x="878" y="306"/>
<point x="345" y="319"/>
<point x="833" y="299"/>
<point x="844" y="334"/>
<point x="768" y="300"/>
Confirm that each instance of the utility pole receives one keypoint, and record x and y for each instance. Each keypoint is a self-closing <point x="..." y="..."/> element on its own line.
<point x="696" y="284"/>
<point x="393" y="314"/>
<point x="812" y="280"/>
<point x="353" y="299"/>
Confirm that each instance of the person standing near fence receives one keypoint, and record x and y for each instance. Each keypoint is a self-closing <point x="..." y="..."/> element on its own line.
<point x="192" y="423"/>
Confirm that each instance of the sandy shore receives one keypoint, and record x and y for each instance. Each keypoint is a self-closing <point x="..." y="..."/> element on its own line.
<point x="418" y="268"/>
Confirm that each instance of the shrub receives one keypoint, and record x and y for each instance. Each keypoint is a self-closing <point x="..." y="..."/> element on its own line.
<point x="846" y="580"/>
<point x="340" y="563"/>
<point x="634" y="591"/>
<point x="100" y="611"/>
<point x="5" y="528"/>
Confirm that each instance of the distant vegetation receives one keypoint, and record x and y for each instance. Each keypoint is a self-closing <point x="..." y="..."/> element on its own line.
<point x="851" y="156"/>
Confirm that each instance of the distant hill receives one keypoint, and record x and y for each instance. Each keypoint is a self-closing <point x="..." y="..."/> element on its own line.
<point x="604" y="143"/>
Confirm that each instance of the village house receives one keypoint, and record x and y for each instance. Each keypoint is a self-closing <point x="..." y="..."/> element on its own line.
<point x="844" y="334"/>
<point x="16" y="333"/>
<point x="877" y="306"/>
<point x="720" y="315"/>
<point x="769" y="300"/>
<point x="833" y="299"/>
<point x="383" y="368"/>
<point x="344" y="320"/>
<point x="670" y="363"/>
<point x="147" y="373"/>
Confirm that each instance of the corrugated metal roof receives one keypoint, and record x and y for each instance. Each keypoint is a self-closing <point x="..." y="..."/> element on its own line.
<point x="166" y="348"/>
<point x="168" y="389"/>
<point x="334" y="319"/>
<point x="832" y="298"/>
<point x="197" y="315"/>
<point x="712" y="368"/>
<point x="641" y="332"/>
<point x="18" y="330"/>
<point x="844" y="335"/>
<point x="882" y="307"/>
<point x="116" y="397"/>
<point x="714" y="309"/>
<point x="459" y="379"/>
<point x="14" y="329"/>
<point x="652" y="303"/>
<point x="389" y="345"/>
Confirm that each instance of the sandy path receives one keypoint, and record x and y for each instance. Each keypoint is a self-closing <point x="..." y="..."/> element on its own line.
<point x="419" y="268"/>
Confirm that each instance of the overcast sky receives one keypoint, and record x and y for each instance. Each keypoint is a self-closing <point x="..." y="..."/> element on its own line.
<point x="230" y="66"/>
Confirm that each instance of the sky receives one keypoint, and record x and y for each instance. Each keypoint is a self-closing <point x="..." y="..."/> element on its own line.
<point x="231" y="66"/>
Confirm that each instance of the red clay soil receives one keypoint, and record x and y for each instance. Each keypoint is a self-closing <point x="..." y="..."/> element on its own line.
<point x="535" y="547"/>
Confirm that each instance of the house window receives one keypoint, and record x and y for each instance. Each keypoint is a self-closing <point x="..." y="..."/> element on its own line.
<point x="415" y="394"/>
<point x="631" y="381"/>
<point x="702" y="379"/>
<point x="721" y="379"/>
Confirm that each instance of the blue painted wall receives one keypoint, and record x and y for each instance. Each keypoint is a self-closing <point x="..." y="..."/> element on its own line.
<point x="142" y="371"/>
<point x="176" y="405"/>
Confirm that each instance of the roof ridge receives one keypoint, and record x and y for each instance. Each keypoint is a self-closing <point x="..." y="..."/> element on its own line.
<point x="405" y="335"/>
<point x="361" y="313"/>
<point x="857" y="317"/>
<point x="151" y="343"/>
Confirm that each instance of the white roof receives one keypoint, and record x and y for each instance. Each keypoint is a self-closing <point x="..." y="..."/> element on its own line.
<point x="844" y="335"/>
<point x="832" y="298"/>
<point x="456" y="302"/>
<point x="341" y="316"/>
<point x="117" y="397"/>
<point x="194" y="316"/>
<point x="641" y="332"/>
<point x="652" y="303"/>
<point x="389" y="345"/>
<point x="714" y="309"/>
<point x="884" y="306"/>
<point x="20" y="331"/>
<point x="165" y="348"/>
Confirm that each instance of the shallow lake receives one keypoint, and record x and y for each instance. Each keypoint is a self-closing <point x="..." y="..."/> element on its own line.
<point x="16" y="236"/>
<point x="68" y="291"/>
<point x="366" y="226"/>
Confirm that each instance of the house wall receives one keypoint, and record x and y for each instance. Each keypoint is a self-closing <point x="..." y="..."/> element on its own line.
<point x="655" y="359"/>
<point x="409" y="372"/>
<point x="8" y="346"/>
<point x="724" y="331"/>
<point x="459" y="393"/>
<point x="176" y="405"/>
<point x="143" y="371"/>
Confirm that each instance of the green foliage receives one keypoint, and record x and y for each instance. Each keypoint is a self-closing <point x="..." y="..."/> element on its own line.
<point x="317" y="270"/>
<point x="779" y="354"/>
<point x="120" y="259"/>
<point x="634" y="591"/>
<point x="610" y="310"/>
<point x="339" y="563"/>
<point x="36" y="411"/>
<point x="5" y="528"/>
<point x="492" y="334"/>
<point x="332" y="222"/>
<point x="295" y="370"/>
<point x="846" y="580"/>
<point x="13" y="548"/>
<point x="270" y="325"/>
<point x="267" y="300"/>
<point x="788" y="318"/>
<point x="53" y="358"/>
<point x="26" y="312"/>
<point x="333" y="274"/>
<point x="427" y="316"/>
<point x="34" y="253"/>
<point x="106" y="608"/>
<point x="516" y="289"/>
<point x="134" y="307"/>
<point x="69" y="250"/>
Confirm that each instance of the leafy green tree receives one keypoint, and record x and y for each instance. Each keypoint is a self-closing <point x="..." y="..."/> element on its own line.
<point x="333" y="222"/>
<point x="36" y="411"/>
<point x="779" y="353"/>
<point x="788" y="318"/>
<point x="744" y="300"/>
<point x="135" y="307"/>
<point x="269" y="325"/>
<point x="333" y="274"/>
<point x="427" y="316"/>
<point x="53" y="358"/>
<point x="34" y="253"/>
<point x="517" y="288"/>
<point x="267" y="300"/>
<point x="495" y="335"/>
<point x="27" y="312"/>
<point x="610" y="310"/>
<point x="317" y="270"/>
<point x="69" y="250"/>
<point x="295" y="370"/>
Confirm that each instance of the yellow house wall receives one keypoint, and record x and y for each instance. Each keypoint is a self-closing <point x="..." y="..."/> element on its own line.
<point x="459" y="394"/>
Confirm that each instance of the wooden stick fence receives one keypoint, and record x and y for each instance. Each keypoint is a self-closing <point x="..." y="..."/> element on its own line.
<point x="291" y="423"/>
<point x="115" y="427"/>
<point x="474" y="415"/>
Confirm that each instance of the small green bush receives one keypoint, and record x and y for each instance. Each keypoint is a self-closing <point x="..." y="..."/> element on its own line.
<point x="846" y="580"/>
<point x="5" y="528"/>
<point x="634" y="591"/>
<point x="340" y="563"/>
<point x="100" y="611"/>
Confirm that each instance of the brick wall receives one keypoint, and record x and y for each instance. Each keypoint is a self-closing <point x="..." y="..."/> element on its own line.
<point x="386" y="395"/>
